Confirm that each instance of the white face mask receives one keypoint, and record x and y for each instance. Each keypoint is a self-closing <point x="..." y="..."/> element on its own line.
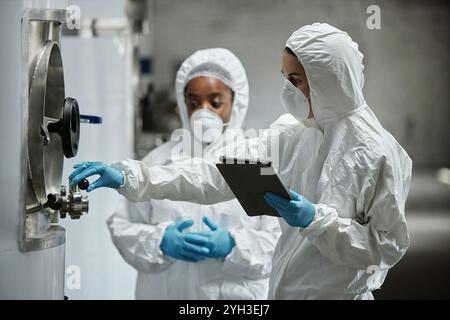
<point x="294" y="101"/>
<point x="207" y="126"/>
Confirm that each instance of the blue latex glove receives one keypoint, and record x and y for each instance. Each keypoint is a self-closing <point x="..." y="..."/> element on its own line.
<point x="183" y="245"/>
<point x="220" y="242"/>
<point x="298" y="212"/>
<point x="109" y="176"/>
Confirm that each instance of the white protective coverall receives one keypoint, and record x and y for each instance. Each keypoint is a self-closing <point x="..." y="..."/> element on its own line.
<point x="137" y="228"/>
<point x="350" y="167"/>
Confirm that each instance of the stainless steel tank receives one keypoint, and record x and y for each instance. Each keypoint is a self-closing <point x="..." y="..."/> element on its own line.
<point x="52" y="132"/>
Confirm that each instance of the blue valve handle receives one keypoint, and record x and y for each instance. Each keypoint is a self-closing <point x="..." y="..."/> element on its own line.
<point x="84" y="118"/>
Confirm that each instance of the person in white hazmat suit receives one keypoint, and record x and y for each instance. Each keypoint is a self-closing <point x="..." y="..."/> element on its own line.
<point x="210" y="84"/>
<point x="345" y="227"/>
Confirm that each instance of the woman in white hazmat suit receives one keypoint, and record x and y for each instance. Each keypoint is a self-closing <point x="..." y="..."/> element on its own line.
<point x="351" y="176"/>
<point x="137" y="229"/>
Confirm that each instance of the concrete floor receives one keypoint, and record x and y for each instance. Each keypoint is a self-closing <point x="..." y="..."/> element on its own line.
<point x="424" y="271"/>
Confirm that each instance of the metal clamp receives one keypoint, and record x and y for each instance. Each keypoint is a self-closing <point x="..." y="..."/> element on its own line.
<point x="72" y="203"/>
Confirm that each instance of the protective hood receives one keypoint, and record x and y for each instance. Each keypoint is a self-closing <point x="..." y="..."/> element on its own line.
<point x="221" y="64"/>
<point x="334" y="68"/>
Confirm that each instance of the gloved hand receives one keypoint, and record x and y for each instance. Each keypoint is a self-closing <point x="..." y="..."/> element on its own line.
<point x="109" y="176"/>
<point x="220" y="242"/>
<point x="183" y="245"/>
<point x="298" y="212"/>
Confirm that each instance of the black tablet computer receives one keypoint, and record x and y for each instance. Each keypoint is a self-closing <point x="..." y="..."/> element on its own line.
<point x="249" y="181"/>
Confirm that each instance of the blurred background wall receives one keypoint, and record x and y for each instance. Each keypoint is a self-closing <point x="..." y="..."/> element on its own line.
<point x="129" y="80"/>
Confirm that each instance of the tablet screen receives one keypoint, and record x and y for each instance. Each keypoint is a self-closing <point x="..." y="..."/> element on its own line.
<point x="249" y="181"/>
